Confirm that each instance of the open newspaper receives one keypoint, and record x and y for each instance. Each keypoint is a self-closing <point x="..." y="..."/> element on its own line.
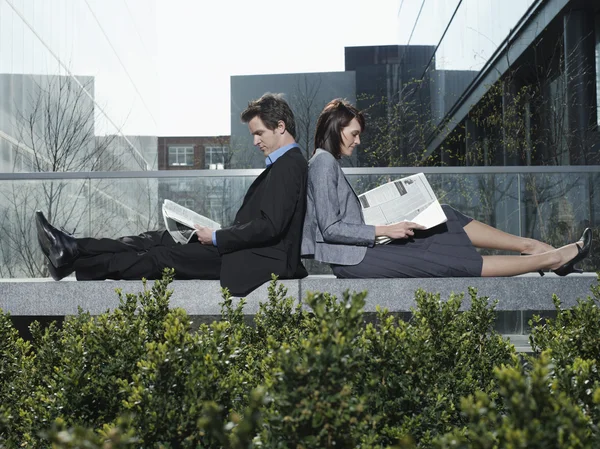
<point x="180" y="222"/>
<point x="406" y="199"/>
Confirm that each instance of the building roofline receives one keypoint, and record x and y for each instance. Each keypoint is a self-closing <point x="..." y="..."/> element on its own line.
<point x="525" y="32"/>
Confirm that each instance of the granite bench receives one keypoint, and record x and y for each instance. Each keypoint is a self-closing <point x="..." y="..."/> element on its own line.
<point x="518" y="297"/>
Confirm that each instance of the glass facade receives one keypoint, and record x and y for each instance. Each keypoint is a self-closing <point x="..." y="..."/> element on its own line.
<point x="416" y="69"/>
<point x="85" y="84"/>
<point x="86" y="69"/>
<point x="78" y="93"/>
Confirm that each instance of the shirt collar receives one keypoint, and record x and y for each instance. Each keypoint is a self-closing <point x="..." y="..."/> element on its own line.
<point x="271" y="158"/>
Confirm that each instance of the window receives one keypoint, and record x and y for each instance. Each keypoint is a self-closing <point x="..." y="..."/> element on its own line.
<point x="215" y="157"/>
<point x="181" y="156"/>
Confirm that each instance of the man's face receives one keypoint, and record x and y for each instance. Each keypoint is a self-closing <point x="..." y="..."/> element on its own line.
<point x="265" y="139"/>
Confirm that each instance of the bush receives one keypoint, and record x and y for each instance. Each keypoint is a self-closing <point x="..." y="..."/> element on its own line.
<point x="75" y="371"/>
<point x="313" y="399"/>
<point x="305" y="377"/>
<point x="572" y="339"/>
<point x="16" y="365"/>
<point x="417" y="372"/>
<point x="535" y="414"/>
<point x="573" y="333"/>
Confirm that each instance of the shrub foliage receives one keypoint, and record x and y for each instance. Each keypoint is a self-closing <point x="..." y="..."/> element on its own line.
<point x="301" y="375"/>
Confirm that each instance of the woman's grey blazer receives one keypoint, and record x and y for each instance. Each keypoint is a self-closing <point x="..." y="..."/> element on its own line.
<point x="334" y="229"/>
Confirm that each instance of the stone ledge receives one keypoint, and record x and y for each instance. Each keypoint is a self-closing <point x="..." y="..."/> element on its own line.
<point x="44" y="297"/>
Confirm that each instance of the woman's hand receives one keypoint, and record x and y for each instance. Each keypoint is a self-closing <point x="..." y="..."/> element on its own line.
<point x="400" y="230"/>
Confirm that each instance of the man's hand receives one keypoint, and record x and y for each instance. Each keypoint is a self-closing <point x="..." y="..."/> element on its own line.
<point x="204" y="234"/>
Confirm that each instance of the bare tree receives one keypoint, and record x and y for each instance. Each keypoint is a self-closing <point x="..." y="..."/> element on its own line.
<point x="397" y="129"/>
<point x="306" y="110"/>
<point x="55" y="131"/>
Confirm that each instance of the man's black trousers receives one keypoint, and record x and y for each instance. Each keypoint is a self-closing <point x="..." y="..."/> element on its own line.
<point x="145" y="255"/>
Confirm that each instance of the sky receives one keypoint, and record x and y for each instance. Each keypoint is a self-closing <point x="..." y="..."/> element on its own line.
<point x="202" y="43"/>
<point x="163" y="67"/>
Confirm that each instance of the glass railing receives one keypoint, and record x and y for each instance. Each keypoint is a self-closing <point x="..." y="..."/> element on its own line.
<point x="553" y="204"/>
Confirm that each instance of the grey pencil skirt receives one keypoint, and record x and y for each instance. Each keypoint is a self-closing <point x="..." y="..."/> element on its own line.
<point x="442" y="251"/>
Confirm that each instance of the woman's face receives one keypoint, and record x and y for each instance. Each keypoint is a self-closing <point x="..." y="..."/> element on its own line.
<point x="350" y="137"/>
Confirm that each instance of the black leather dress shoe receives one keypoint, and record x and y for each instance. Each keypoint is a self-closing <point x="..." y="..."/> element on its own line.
<point x="59" y="273"/>
<point x="59" y="247"/>
<point x="582" y="252"/>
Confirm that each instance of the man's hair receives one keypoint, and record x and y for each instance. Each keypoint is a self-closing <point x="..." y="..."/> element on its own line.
<point x="271" y="108"/>
<point x="335" y="116"/>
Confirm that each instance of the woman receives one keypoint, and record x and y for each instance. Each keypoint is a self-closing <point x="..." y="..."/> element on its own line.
<point x="334" y="230"/>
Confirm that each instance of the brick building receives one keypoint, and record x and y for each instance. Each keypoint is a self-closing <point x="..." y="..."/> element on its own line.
<point x="207" y="195"/>
<point x="193" y="152"/>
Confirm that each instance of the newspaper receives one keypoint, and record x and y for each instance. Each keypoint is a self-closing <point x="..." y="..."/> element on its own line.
<point x="406" y="199"/>
<point x="180" y="222"/>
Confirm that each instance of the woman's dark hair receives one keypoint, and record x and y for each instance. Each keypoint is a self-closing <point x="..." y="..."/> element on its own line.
<point x="336" y="116"/>
<point x="271" y="108"/>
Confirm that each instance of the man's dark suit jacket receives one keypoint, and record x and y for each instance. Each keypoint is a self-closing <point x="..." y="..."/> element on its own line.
<point x="266" y="234"/>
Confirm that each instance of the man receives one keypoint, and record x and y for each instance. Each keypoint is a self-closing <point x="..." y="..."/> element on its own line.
<point x="264" y="238"/>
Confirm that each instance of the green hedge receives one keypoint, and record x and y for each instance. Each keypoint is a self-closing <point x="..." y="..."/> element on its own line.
<point x="300" y="377"/>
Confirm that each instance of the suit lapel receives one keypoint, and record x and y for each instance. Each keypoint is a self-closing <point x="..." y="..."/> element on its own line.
<point x="255" y="185"/>
<point x="348" y="184"/>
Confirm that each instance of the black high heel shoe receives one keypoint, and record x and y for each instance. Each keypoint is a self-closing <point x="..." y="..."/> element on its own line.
<point x="582" y="253"/>
<point x="541" y="272"/>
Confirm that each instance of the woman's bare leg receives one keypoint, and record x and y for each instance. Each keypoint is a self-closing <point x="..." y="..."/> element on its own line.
<point x="484" y="236"/>
<point x="514" y="265"/>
